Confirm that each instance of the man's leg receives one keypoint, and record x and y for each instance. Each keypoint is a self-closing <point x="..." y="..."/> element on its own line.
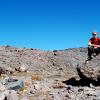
<point x="97" y="50"/>
<point x="90" y="51"/>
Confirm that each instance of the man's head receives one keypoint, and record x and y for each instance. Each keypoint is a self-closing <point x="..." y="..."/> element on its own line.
<point x="94" y="34"/>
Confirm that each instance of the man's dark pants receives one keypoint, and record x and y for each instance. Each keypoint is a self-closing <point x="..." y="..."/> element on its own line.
<point x="92" y="50"/>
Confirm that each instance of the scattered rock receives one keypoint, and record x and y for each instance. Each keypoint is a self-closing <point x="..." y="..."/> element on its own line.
<point x="2" y="87"/>
<point x="25" y="99"/>
<point x="7" y="70"/>
<point x="10" y="70"/>
<point x="22" y="68"/>
<point x="58" y="85"/>
<point x="2" y="70"/>
<point x="51" y="65"/>
<point x="13" y="83"/>
<point x="3" y="95"/>
<point x="8" y="95"/>
<point x="12" y="95"/>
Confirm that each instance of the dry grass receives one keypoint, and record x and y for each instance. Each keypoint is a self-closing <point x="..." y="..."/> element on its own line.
<point x="36" y="77"/>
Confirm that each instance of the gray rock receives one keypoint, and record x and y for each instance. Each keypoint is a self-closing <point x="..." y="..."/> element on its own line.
<point x="90" y="69"/>
<point x="16" y="85"/>
<point x="22" y="68"/>
<point x="4" y="94"/>
<point x="63" y="62"/>
<point x="57" y="64"/>
<point x="2" y="87"/>
<point x="8" y="95"/>
<point x="24" y="99"/>
<point x="2" y="70"/>
<point x="6" y="70"/>
<point x="12" y="95"/>
<point x="13" y="83"/>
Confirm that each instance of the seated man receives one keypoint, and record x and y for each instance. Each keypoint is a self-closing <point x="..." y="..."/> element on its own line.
<point x="93" y="45"/>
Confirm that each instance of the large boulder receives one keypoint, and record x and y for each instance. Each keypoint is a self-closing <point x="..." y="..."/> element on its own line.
<point x="90" y="69"/>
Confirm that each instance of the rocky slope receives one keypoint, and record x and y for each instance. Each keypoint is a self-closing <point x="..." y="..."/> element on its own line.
<point x="32" y="74"/>
<point x="44" y="62"/>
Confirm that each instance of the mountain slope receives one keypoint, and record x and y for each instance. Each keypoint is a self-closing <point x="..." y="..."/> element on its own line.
<point x="48" y="63"/>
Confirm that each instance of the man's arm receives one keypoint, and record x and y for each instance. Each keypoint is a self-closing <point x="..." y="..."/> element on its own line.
<point x="93" y="45"/>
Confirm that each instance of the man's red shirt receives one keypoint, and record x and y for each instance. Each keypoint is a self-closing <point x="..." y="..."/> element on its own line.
<point x="95" y="41"/>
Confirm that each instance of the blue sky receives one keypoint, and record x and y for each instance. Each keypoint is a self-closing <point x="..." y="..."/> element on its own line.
<point x="48" y="24"/>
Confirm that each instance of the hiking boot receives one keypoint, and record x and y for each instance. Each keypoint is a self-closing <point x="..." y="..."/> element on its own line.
<point x="97" y="54"/>
<point x="89" y="58"/>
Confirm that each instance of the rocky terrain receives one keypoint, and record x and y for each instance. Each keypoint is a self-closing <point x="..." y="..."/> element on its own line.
<point x="31" y="74"/>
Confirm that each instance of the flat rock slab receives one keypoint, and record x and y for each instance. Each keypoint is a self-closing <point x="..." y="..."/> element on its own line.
<point x="13" y="84"/>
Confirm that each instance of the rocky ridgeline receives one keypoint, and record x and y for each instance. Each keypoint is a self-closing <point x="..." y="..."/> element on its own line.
<point x="12" y="59"/>
<point x="31" y="74"/>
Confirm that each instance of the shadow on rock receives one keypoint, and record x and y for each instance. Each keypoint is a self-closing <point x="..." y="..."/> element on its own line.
<point x="84" y="81"/>
<point x="75" y="82"/>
